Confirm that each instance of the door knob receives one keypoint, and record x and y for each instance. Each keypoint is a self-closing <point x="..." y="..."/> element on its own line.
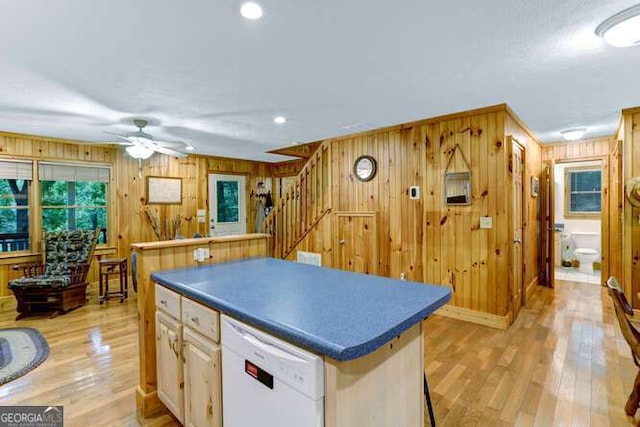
<point x="341" y="242"/>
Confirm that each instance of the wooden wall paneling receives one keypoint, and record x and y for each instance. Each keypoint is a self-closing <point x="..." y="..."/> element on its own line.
<point x="383" y="190"/>
<point x="635" y="212"/>
<point x="127" y="223"/>
<point x="631" y="226"/>
<point x="395" y="205"/>
<point x="616" y="206"/>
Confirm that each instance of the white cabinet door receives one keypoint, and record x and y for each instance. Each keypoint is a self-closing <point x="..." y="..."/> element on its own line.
<point x="203" y="406"/>
<point x="169" y="366"/>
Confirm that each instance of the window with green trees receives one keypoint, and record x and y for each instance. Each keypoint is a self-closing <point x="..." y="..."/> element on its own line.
<point x="76" y="200"/>
<point x="15" y="182"/>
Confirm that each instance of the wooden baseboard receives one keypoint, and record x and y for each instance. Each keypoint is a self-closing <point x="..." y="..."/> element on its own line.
<point x="473" y="316"/>
<point x="531" y="287"/>
<point x="148" y="405"/>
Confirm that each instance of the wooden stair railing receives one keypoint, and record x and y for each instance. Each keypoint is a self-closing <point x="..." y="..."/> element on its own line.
<point x="304" y="204"/>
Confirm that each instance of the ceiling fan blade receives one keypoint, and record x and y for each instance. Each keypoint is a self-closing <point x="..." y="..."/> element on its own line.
<point x="118" y="136"/>
<point x="168" y="151"/>
<point x="169" y="143"/>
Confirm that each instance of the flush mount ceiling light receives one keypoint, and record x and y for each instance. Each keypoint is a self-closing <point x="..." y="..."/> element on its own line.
<point x="140" y="152"/>
<point x="280" y="120"/>
<point x="251" y="10"/>
<point x="622" y="29"/>
<point x="189" y="148"/>
<point x="573" y="134"/>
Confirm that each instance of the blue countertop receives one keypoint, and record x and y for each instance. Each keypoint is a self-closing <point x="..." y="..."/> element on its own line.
<point x="334" y="313"/>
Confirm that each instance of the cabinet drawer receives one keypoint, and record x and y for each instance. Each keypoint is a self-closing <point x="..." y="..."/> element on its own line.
<point x="202" y="319"/>
<point x="168" y="301"/>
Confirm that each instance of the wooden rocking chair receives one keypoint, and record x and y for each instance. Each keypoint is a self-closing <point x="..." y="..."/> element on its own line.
<point x="59" y="282"/>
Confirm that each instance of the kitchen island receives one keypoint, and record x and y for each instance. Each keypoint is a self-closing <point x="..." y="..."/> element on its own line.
<point x="367" y="329"/>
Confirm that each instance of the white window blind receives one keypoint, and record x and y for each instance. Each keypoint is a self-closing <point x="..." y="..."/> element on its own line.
<point x="69" y="172"/>
<point x="16" y="169"/>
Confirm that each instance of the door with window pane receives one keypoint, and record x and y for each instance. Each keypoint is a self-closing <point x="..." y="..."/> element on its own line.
<point x="227" y="205"/>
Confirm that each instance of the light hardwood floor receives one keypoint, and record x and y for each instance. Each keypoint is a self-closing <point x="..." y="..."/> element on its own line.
<point x="563" y="362"/>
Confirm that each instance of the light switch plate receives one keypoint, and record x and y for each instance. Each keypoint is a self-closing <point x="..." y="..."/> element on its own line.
<point x="486" y="222"/>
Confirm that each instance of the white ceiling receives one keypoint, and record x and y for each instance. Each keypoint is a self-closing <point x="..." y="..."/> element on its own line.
<point x="206" y="76"/>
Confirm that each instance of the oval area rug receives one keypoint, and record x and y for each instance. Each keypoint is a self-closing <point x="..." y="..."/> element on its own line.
<point x="21" y="350"/>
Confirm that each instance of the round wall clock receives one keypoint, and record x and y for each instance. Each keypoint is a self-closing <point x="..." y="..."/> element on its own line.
<point x="364" y="168"/>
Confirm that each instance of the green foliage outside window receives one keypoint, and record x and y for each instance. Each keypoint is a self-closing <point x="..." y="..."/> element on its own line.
<point x="14" y="215"/>
<point x="227" y="194"/>
<point x="70" y="205"/>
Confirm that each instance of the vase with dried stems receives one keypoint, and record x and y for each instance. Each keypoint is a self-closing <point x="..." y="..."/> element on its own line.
<point x="168" y="231"/>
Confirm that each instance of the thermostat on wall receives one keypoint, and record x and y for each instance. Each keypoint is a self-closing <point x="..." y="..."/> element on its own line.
<point x="486" y="222"/>
<point x="414" y="192"/>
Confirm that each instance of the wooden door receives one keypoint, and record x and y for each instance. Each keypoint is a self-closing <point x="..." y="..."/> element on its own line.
<point x="227" y="205"/>
<point x="548" y="219"/>
<point x="202" y="383"/>
<point x="517" y="265"/>
<point x="169" y="365"/>
<point x="357" y="242"/>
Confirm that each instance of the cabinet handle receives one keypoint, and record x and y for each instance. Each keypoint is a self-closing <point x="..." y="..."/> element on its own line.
<point x="195" y="320"/>
<point x="210" y="408"/>
<point x="163" y="302"/>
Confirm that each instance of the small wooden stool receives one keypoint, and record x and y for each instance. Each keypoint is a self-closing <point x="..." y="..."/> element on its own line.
<point x="109" y="267"/>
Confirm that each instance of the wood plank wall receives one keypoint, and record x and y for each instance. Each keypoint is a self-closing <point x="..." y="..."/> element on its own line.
<point x="425" y="239"/>
<point x="630" y="135"/>
<point x="605" y="148"/>
<point x="128" y="222"/>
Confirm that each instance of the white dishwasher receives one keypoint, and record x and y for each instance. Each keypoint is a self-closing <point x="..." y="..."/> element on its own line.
<point x="267" y="382"/>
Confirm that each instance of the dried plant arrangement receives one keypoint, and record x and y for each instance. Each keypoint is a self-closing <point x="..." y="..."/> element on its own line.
<point x="169" y="230"/>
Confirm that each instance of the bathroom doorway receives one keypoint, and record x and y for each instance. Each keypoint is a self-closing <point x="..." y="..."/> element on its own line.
<point x="578" y="206"/>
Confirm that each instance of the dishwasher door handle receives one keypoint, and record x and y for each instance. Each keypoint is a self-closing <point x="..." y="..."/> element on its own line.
<point x="266" y="347"/>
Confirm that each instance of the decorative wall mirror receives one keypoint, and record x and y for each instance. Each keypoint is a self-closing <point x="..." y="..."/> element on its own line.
<point x="457" y="188"/>
<point x="457" y="185"/>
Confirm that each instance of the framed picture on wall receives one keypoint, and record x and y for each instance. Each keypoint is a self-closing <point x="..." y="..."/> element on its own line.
<point x="535" y="186"/>
<point x="164" y="190"/>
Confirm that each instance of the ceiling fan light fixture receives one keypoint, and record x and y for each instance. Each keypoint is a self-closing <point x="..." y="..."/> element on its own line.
<point x="573" y="134"/>
<point x="622" y="29"/>
<point x="251" y="10"/>
<point x="280" y="120"/>
<point x="140" y="152"/>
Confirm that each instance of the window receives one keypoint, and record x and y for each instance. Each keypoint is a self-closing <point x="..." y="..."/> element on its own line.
<point x="583" y="189"/>
<point x="74" y="197"/>
<point x="15" y="181"/>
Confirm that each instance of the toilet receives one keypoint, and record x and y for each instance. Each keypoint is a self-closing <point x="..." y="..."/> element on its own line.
<point x="587" y="249"/>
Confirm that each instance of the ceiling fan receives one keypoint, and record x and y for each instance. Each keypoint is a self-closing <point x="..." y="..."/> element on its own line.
<point x="141" y="145"/>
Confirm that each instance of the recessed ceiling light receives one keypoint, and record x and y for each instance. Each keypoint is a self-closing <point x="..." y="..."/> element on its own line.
<point x="622" y="29"/>
<point x="573" y="134"/>
<point x="251" y="10"/>
<point x="280" y="120"/>
<point x="189" y="148"/>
